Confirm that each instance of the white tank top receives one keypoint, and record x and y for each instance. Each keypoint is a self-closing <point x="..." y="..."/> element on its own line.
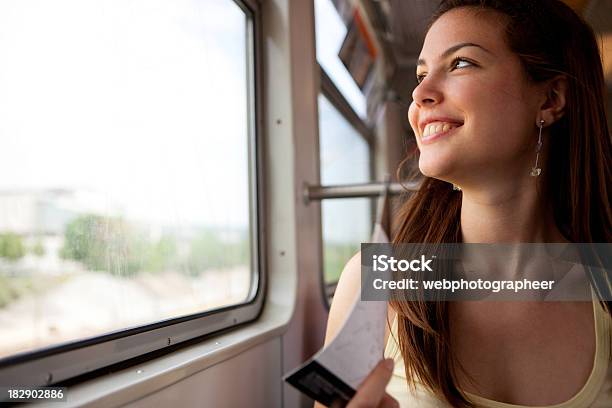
<point x="596" y="392"/>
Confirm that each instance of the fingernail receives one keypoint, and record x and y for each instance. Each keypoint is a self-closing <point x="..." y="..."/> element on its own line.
<point x="388" y="363"/>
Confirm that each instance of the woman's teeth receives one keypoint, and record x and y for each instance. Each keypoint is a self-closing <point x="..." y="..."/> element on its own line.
<point x="434" y="128"/>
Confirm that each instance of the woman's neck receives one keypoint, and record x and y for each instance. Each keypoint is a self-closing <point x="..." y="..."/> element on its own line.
<point x="507" y="216"/>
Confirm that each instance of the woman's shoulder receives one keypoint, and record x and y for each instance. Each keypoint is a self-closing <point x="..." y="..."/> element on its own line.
<point x="344" y="296"/>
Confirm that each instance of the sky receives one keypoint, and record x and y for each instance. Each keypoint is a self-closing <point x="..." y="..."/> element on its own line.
<point x="140" y="105"/>
<point x="142" y="102"/>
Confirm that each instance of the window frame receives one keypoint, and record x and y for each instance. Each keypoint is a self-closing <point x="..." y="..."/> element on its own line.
<point x="58" y="363"/>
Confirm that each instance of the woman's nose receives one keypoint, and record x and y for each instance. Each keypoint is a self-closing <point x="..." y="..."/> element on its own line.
<point x="427" y="93"/>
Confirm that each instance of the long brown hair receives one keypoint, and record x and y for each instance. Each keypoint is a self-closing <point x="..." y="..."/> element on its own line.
<point x="550" y="40"/>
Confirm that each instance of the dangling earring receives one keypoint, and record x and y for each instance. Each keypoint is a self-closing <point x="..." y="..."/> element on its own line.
<point x="536" y="171"/>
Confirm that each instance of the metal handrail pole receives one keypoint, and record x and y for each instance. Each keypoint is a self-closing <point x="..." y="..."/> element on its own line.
<point x="318" y="192"/>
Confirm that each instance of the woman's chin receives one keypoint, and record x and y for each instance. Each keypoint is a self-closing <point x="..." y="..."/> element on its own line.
<point x="435" y="168"/>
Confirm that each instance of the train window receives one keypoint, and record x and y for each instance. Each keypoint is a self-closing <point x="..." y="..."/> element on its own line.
<point x="330" y="32"/>
<point x="345" y="159"/>
<point x="127" y="169"/>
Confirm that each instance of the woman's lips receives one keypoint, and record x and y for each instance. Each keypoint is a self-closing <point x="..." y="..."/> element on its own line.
<point x="432" y="138"/>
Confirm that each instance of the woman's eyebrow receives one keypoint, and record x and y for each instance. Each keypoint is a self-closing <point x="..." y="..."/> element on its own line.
<point x="453" y="49"/>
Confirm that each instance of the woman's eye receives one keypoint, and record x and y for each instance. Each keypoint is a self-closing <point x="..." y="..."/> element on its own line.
<point x="458" y="62"/>
<point x="461" y="63"/>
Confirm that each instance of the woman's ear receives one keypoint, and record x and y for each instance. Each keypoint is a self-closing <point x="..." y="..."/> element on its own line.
<point x="553" y="106"/>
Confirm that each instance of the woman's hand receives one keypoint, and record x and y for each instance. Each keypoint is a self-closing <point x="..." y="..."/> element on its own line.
<point x="371" y="393"/>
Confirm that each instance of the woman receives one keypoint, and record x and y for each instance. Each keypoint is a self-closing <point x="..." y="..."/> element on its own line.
<point x="509" y="110"/>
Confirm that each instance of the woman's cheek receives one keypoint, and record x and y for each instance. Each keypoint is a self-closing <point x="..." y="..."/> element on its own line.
<point x="413" y="118"/>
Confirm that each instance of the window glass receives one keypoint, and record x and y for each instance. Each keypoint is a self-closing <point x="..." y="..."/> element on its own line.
<point x="330" y="32"/>
<point x="345" y="159"/>
<point x="124" y="167"/>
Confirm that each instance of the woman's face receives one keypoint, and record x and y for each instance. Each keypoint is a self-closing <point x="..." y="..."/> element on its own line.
<point x="474" y="112"/>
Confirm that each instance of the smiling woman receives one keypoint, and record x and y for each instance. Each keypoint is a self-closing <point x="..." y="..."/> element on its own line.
<point x="479" y="85"/>
<point x="501" y="85"/>
<point x="510" y="107"/>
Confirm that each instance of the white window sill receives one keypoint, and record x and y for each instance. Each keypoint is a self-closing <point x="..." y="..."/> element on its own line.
<point x="137" y="381"/>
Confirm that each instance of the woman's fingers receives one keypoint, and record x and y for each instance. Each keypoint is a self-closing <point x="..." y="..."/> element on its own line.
<point x="371" y="393"/>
